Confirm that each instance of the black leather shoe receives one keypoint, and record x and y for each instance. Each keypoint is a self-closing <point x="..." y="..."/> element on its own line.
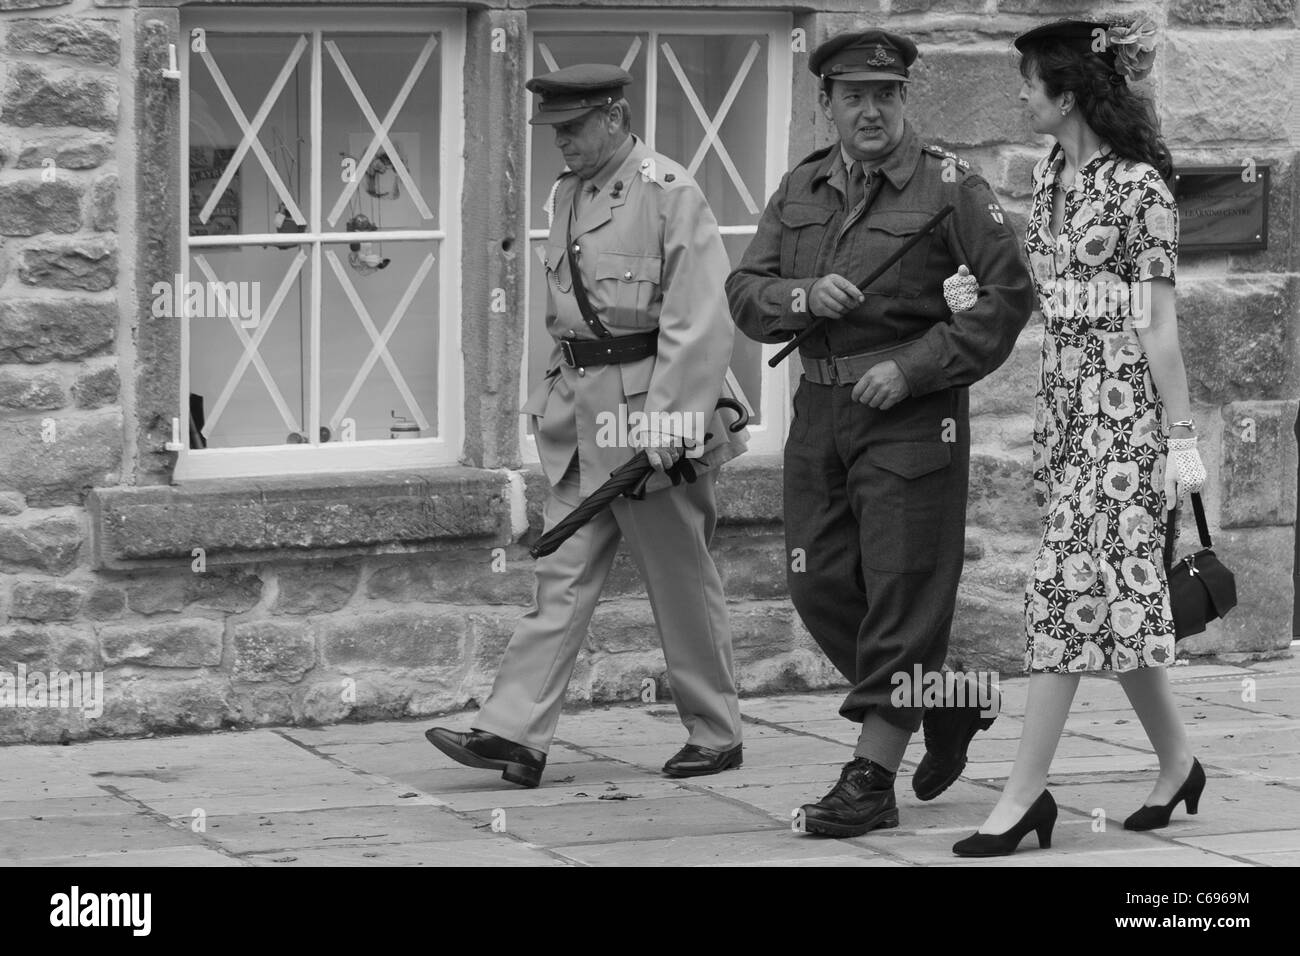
<point x="517" y="763"/>
<point x="693" y="761"/>
<point x="948" y="733"/>
<point x="1153" y="818"/>
<point x="862" y="801"/>
<point x="1040" y="816"/>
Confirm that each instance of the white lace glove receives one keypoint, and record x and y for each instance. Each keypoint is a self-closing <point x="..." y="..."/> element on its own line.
<point x="960" y="290"/>
<point x="1184" y="470"/>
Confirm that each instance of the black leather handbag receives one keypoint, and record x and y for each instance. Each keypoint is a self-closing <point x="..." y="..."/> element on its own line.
<point x="1201" y="589"/>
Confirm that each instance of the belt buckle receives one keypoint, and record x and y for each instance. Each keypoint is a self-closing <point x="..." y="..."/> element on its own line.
<point x="566" y="353"/>
<point x="832" y="365"/>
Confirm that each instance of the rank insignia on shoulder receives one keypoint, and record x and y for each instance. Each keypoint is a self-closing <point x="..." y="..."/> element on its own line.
<point x="947" y="154"/>
<point x="996" y="212"/>
<point x="648" y="171"/>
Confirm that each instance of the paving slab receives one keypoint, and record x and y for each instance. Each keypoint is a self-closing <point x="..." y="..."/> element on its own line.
<point x="162" y="856"/>
<point x="1242" y="844"/>
<point x="773" y="847"/>
<point x="444" y="782"/>
<point x="646" y="788"/>
<point x="180" y="805"/>
<point x="482" y="852"/>
<point x="688" y="814"/>
<point x="1285" y="858"/>
<point x="1157" y="856"/>
<point x="1229" y="804"/>
<point x="1282" y="767"/>
<point x="342" y="826"/>
<point x="787" y="707"/>
<point x="101" y="805"/>
<point x="782" y="750"/>
<point x="994" y="749"/>
<point x="71" y="836"/>
<point x="1063" y="767"/>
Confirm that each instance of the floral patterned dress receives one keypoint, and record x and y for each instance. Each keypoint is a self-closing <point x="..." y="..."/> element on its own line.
<point x="1098" y="599"/>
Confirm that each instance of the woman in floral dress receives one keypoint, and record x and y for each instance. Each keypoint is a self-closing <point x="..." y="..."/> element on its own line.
<point x="1112" y="405"/>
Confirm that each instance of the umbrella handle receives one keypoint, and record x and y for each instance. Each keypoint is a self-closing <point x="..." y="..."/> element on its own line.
<point x="742" y="413"/>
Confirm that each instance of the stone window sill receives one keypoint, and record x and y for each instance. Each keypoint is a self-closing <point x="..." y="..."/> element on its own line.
<point x="248" y="520"/>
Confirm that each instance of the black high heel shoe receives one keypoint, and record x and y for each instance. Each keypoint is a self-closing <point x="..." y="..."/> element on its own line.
<point x="1153" y="818"/>
<point x="1040" y="816"/>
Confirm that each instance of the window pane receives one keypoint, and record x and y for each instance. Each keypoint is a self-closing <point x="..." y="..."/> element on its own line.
<point x="371" y="384"/>
<point x="380" y="67"/>
<point x="706" y="72"/>
<point x="250" y="201"/>
<point x="746" y="354"/>
<point x="259" y="406"/>
<point x="563" y="50"/>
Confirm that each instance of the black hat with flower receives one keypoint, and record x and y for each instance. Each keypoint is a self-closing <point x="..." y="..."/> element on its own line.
<point x="1126" y="42"/>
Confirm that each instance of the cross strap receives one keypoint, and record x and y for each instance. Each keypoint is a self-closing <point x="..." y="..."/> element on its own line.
<point x="579" y="289"/>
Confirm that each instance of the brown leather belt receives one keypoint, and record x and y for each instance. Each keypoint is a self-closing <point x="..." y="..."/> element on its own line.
<point x="847" y="369"/>
<point x="614" y="350"/>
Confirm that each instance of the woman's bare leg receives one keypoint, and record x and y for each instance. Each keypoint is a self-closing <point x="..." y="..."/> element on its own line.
<point x="1153" y="701"/>
<point x="1046" y="710"/>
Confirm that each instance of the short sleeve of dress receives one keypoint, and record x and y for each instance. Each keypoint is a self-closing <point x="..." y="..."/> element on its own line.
<point x="1151" y="242"/>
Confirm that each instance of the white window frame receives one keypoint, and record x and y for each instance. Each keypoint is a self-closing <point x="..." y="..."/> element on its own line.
<point x="769" y="437"/>
<point x="340" y="456"/>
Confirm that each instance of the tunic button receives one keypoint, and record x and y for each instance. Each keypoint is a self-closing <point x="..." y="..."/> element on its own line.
<point x="582" y="371"/>
<point x="628" y="274"/>
<point x="571" y="333"/>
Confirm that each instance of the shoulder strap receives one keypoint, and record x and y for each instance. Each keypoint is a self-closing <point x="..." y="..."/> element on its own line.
<point x="1202" y="528"/>
<point x="580" y="290"/>
<point x="1171" y="528"/>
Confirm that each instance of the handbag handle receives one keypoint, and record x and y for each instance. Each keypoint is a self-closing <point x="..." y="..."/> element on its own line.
<point x="1171" y="528"/>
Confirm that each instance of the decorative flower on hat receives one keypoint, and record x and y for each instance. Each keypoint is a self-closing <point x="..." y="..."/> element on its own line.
<point x="1134" y="46"/>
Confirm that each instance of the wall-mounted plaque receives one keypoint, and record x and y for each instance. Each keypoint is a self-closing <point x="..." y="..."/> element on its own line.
<point x="1222" y="208"/>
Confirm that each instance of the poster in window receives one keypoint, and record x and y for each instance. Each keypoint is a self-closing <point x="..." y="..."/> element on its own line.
<point x="206" y="166"/>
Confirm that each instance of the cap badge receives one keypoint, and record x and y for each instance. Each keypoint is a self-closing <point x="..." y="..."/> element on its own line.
<point x="880" y="58"/>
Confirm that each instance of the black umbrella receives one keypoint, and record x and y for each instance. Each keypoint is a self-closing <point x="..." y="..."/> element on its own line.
<point x="627" y="479"/>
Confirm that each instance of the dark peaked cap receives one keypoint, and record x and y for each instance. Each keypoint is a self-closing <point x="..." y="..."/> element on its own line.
<point x="869" y="55"/>
<point x="576" y="90"/>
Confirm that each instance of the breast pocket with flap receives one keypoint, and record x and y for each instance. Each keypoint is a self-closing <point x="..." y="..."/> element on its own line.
<point x="627" y="288"/>
<point x="801" y="239"/>
<point x="886" y="232"/>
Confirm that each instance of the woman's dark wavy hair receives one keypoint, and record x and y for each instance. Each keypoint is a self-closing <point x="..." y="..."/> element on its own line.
<point x="1121" y="117"/>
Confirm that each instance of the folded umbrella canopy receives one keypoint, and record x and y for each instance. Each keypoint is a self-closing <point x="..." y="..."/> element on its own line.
<point x="628" y="479"/>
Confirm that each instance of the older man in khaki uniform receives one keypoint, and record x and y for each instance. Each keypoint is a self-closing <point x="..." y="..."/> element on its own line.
<point x="635" y="302"/>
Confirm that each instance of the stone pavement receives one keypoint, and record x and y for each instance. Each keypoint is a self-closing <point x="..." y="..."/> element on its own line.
<point x="378" y="794"/>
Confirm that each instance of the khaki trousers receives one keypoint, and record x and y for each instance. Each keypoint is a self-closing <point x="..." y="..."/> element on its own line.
<point x="668" y="534"/>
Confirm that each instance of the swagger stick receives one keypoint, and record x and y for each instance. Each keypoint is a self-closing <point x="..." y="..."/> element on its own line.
<point x="880" y="270"/>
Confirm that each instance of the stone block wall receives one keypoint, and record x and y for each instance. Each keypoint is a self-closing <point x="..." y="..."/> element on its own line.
<point x="249" y="602"/>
